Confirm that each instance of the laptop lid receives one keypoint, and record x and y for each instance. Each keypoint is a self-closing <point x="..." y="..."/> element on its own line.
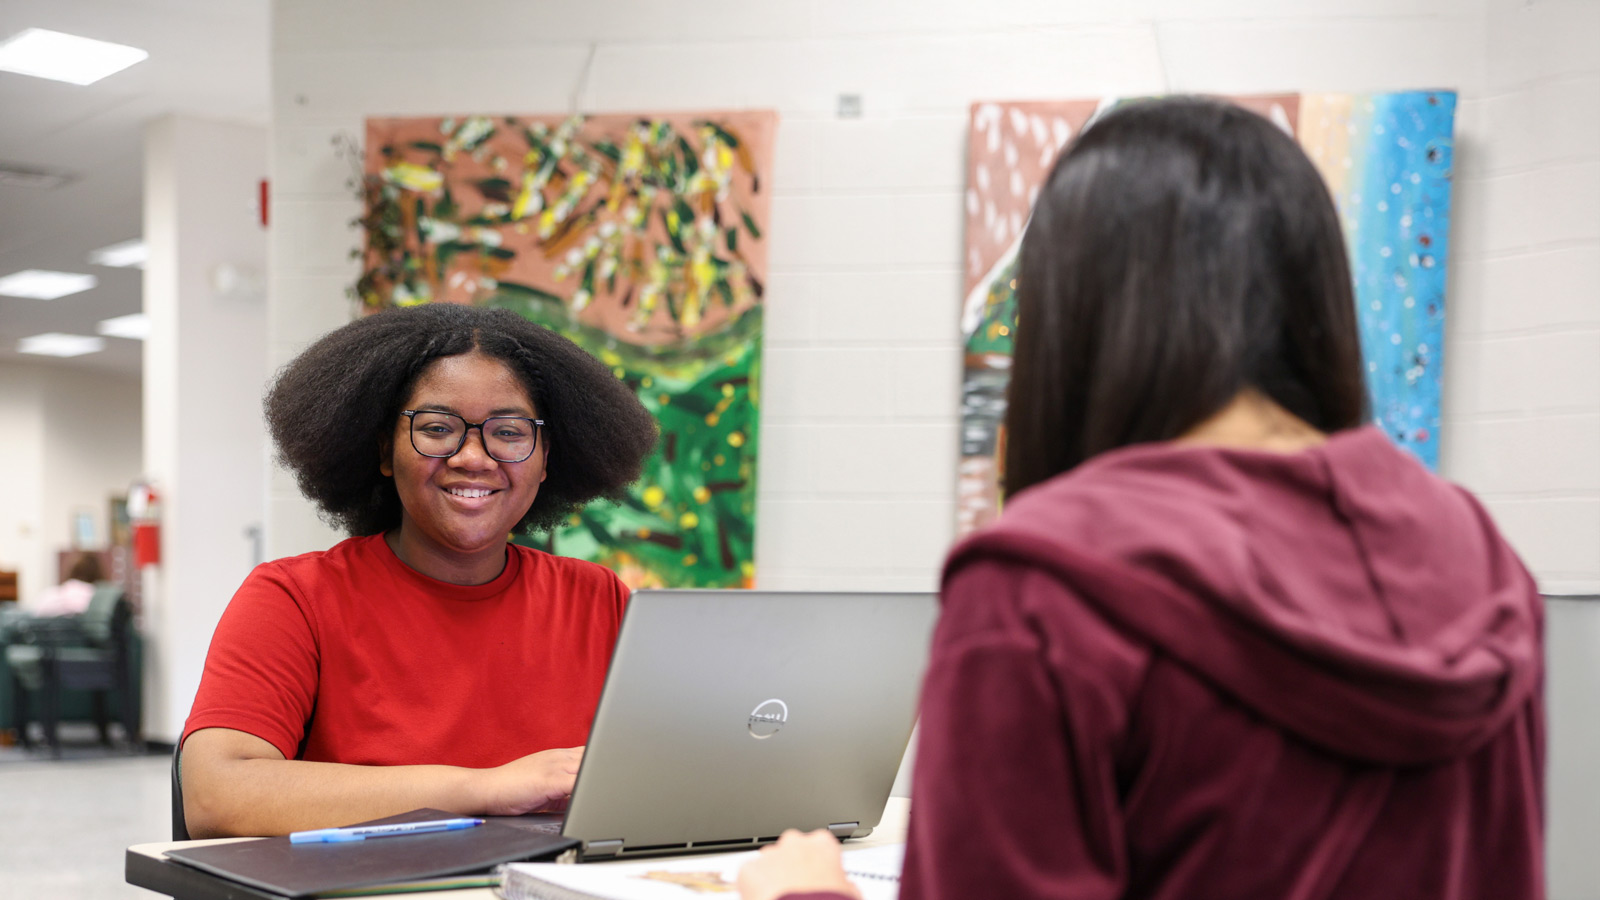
<point x="729" y="716"/>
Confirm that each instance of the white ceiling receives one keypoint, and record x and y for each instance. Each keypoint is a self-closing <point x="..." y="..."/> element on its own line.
<point x="207" y="58"/>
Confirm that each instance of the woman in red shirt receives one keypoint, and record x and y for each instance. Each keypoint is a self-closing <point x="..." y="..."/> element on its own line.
<point x="426" y="661"/>
<point x="1226" y="641"/>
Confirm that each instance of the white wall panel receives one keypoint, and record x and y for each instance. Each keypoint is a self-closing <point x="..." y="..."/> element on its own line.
<point x="867" y="307"/>
<point x="797" y="168"/>
<point x="1529" y="457"/>
<point x="788" y="457"/>
<point x="1558" y="288"/>
<point x="825" y="383"/>
<point x="442" y="80"/>
<point x="1542" y="125"/>
<point x="866" y="230"/>
<point x="890" y="153"/>
<point x="892" y="74"/>
<point x="1539" y="40"/>
<point x="1377" y="54"/>
<point x="511" y="25"/>
<point x="306" y="163"/>
<point x="317" y="235"/>
<point x="927" y="385"/>
<point x="903" y="460"/>
<point x="1548" y="373"/>
<point x="1559" y="538"/>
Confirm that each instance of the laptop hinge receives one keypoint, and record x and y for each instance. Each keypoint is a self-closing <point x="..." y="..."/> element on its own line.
<point x="596" y="849"/>
<point x="842" y="830"/>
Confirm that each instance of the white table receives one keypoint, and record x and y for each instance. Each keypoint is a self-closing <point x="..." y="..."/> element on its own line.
<point x="147" y="865"/>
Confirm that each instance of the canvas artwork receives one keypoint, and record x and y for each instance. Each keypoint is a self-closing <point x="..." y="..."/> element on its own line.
<point x="1387" y="161"/>
<point x="641" y="238"/>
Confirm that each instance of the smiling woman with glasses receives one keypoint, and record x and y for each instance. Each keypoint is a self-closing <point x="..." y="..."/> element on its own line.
<point x="426" y="661"/>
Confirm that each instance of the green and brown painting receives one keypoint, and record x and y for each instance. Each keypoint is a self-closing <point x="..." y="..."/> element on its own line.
<point x="642" y="239"/>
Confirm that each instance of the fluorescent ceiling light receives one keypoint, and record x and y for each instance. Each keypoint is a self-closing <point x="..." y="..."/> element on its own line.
<point x="128" y="254"/>
<point x="65" y="57"/>
<point x="39" y="284"/>
<point x="133" y="325"/>
<point x="58" y="344"/>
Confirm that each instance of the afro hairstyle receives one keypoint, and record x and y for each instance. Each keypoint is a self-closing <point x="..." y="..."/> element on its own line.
<point x="332" y="410"/>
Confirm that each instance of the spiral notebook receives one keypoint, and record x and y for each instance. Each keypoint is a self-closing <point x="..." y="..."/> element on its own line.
<point x="875" y="871"/>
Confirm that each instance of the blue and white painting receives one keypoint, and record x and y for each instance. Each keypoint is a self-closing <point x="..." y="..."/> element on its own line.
<point x="1387" y="160"/>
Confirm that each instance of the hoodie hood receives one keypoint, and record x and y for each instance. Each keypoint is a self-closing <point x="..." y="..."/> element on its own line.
<point x="1344" y="593"/>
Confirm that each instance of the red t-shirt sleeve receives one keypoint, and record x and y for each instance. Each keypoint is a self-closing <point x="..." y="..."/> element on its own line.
<point x="1014" y="792"/>
<point x="260" y="675"/>
<point x="620" y="594"/>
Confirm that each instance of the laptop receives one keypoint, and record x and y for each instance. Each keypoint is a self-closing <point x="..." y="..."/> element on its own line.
<point x="729" y="716"/>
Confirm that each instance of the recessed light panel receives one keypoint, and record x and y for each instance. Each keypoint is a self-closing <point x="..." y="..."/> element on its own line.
<point x="39" y="284"/>
<point x="65" y="57"/>
<point x="134" y="325"/>
<point x="58" y="344"/>
<point x="128" y="254"/>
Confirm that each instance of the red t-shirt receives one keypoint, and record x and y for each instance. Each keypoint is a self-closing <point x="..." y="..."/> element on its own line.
<point x="349" y="655"/>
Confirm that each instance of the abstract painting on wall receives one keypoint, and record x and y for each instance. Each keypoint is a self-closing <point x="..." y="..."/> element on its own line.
<point x="642" y="239"/>
<point x="1387" y="161"/>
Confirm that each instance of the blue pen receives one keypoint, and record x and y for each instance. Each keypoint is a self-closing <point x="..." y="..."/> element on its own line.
<point x="362" y="832"/>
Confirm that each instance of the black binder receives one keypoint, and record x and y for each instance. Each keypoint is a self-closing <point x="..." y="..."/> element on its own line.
<point x="277" y="867"/>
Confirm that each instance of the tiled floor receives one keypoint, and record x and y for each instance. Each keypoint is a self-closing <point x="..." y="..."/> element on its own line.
<point x="65" y="824"/>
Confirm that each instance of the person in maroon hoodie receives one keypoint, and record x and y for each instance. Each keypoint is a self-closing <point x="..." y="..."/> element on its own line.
<point x="1226" y="640"/>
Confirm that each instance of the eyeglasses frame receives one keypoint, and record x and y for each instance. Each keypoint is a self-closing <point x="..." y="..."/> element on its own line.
<point x="411" y="432"/>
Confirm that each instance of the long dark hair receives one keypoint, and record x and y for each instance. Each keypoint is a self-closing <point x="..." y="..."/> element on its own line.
<point x="334" y="407"/>
<point x="1182" y="250"/>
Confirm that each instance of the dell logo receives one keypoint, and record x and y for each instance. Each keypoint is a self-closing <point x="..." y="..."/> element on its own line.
<point x="767" y="718"/>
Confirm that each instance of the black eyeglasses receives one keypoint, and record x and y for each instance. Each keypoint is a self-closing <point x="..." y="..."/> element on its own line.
<point x="441" y="435"/>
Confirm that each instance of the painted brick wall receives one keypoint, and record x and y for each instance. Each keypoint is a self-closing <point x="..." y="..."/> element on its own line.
<point x="860" y="409"/>
<point x="1523" y="391"/>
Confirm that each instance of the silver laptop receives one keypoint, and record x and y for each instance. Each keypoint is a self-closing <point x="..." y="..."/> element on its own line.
<point x="729" y="716"/>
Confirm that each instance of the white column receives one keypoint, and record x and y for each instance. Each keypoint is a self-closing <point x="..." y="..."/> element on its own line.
<point x="205" y="367"/>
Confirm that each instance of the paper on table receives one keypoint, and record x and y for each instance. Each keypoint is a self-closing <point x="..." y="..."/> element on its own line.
<point x="874" y="870"/>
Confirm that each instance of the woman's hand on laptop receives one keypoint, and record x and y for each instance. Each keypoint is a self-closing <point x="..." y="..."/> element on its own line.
<point x="796" y="864"/>
<point x="538" y="782"/>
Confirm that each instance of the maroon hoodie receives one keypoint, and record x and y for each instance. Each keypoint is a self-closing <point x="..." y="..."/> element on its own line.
<point x="1192" y="672"/>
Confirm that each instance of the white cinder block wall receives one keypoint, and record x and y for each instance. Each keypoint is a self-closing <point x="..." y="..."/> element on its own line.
<point x="860" y="406"/>
<point x="1523" y="426"/>
<point x="1523" y="391"/>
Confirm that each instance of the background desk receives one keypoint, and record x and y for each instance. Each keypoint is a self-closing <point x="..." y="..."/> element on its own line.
<point x="149" y="868"/>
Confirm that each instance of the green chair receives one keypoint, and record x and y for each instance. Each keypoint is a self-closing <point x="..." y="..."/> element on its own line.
<point x="88" y="652"/>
